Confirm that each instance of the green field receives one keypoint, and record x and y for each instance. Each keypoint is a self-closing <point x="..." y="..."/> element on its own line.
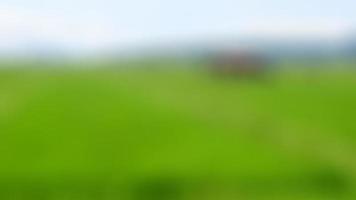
<point x="178" y="134"/>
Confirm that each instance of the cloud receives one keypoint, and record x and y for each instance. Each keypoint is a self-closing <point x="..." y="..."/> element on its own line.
<point x="21" y="29"/>
<point x="297" y="28"/>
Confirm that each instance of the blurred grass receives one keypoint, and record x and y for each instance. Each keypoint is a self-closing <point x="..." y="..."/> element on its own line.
<point x="175" y="134"/>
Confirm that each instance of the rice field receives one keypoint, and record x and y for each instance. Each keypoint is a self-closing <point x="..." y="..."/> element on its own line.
<point x="175" y="134"/>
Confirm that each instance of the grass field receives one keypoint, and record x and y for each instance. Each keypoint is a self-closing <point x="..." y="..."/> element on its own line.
<point x="176" y="134"/>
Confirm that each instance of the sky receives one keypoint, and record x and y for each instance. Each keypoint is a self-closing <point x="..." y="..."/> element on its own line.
<point x="98" y="25"/>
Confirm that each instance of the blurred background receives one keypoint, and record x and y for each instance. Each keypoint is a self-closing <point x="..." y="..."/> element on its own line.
<point x="177" y="100"/>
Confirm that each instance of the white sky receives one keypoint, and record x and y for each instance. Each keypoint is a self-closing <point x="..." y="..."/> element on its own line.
<point x="79" y="25"/>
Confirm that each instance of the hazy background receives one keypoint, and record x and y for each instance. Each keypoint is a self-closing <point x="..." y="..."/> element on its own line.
<point x="76" y="27"/>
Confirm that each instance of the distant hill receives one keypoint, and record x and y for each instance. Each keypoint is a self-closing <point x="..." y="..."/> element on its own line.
<point x="273" y="48"/>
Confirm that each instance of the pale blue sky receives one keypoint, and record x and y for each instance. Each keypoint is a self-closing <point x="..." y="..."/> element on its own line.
<point x="100" y="24"/>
